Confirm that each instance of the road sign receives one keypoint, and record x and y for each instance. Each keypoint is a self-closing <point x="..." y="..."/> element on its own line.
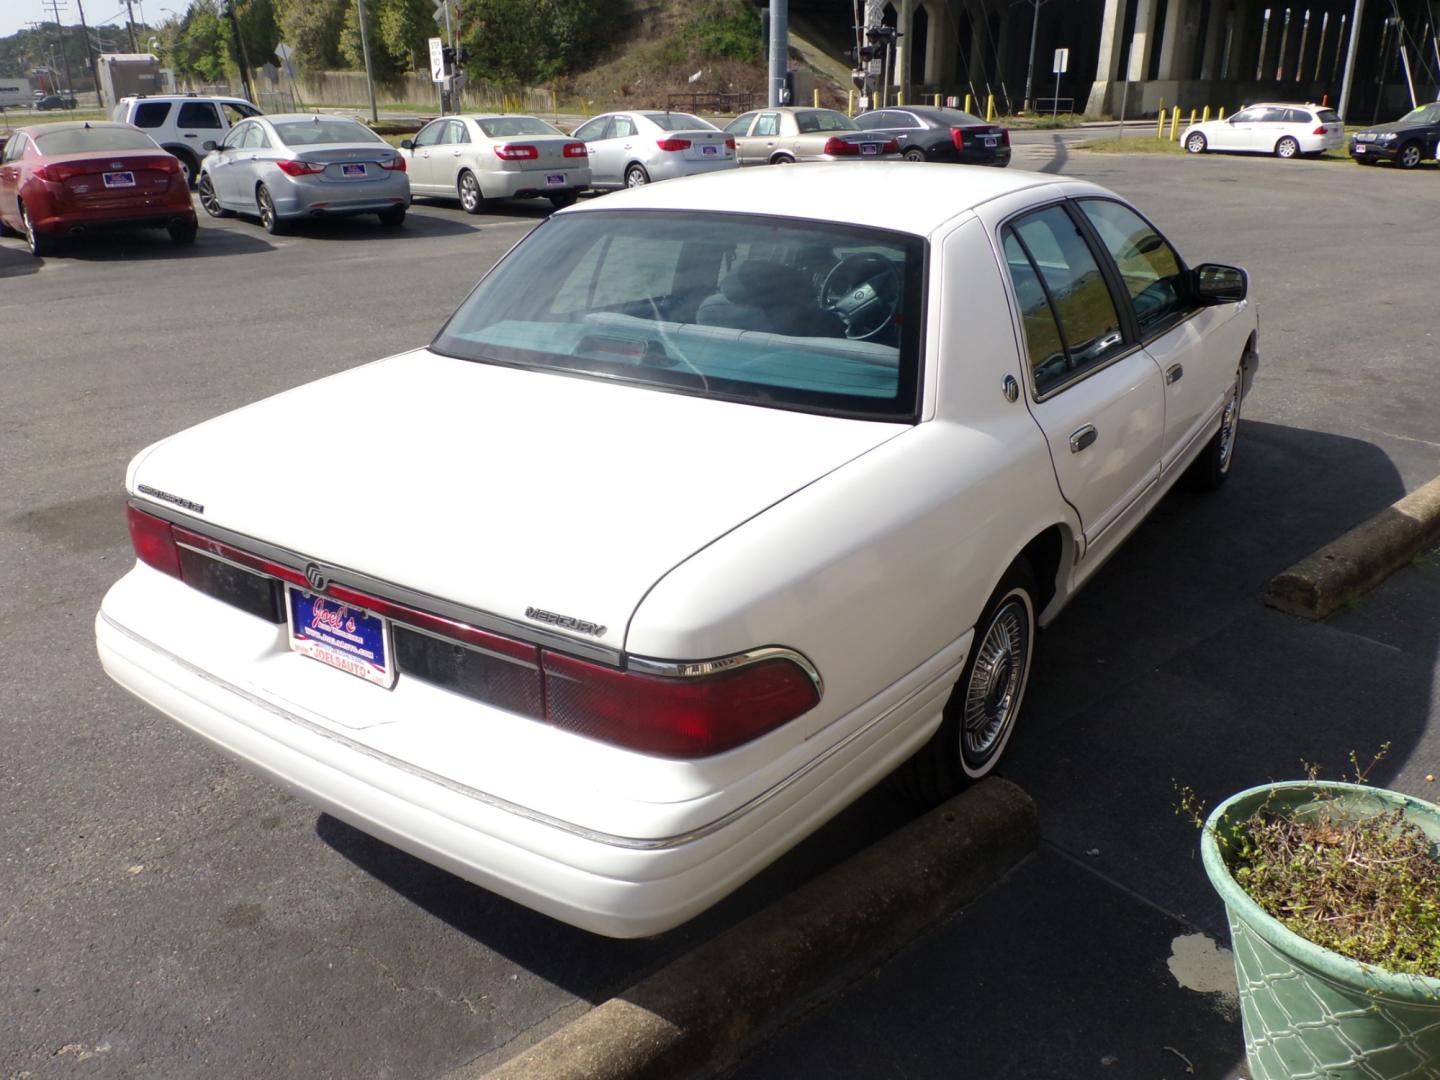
<point x="1062" y="62"/>
<point x="437" y="60"/>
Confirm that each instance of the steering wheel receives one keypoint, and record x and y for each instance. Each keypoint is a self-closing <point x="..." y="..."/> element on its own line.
<point x="864" y="290"/>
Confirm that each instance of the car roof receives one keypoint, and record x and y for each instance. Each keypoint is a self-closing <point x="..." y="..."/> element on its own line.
<point x="901" y="196"/>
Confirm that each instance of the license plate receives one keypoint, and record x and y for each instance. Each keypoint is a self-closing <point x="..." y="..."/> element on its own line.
<point x="1359" y="148"/>
<point x="869" y="148"/>
<point x="709" y="151"/>
<point x="119" y="179"/>
<point x="989" y="140"/>
<point x="342" y="636"/>
<point x="352" y="170"/>
<point x="555" y="179"/>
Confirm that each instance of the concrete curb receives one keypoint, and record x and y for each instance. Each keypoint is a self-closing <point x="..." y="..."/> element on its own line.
<point x="1358" y="561"/>
<point x="703" y="1007"/>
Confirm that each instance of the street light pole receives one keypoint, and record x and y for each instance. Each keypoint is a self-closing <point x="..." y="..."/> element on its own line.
<point x="1350" y="51"/>
<point x="1030" y="70"/>
<point x="779" y="49"/>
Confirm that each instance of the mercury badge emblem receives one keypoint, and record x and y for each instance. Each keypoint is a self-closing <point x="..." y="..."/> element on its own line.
<point x="316" y="577"/>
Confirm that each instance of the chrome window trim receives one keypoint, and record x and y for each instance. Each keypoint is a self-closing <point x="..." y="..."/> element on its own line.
<point x="698" y="669"/>
<point x="387" y="590"/>
<point x="498" y="803"/>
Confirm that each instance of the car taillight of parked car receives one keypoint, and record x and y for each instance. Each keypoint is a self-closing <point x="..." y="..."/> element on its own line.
<point x="516" y="152"/>
<point x="1004" y="136"/>
<point x="58" y="172"/>
<point x="395" y="164"/>
<point x="575" y="149"/>
<point x="957" y="136"/>
<point x="730" y="142"/>
<point x="709" y="708"/>
<point x="891" y="147"/>
<point x="837" y="147"/>
<point x="300" y="168"/>
<point x="1319" y="130"/>
<point x="673" y="144"/>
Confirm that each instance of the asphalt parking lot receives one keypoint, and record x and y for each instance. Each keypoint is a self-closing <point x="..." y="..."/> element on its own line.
<point x="168" y="915"/>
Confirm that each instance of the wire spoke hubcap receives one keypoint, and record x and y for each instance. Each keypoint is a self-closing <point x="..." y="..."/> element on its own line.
<point x="1228" y="423"/>
<point x="997" y="680"/>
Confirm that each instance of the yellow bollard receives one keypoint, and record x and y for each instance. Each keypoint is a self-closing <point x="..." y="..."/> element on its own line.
<point x="990" y="109"/>
<point x="1175" y="124"/>
<point x="817" y="97"/>
<point x="850" y="109"/>
<point x="899" y="97"/>
<point x="1193" y="116"/>
<point x="1205" y="116"/>
<point x="1222" y="113"/>
<point x="1160" y="123"/>
<point x="969" y="103"/>
<point x="937" y="101"/>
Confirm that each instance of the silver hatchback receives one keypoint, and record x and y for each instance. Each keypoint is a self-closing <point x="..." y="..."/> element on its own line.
<point x="288" y="167"/>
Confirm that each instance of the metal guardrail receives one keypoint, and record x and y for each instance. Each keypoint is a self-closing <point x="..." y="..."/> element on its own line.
<point x="723" y="103"/>
<point x="1054" y="105"/>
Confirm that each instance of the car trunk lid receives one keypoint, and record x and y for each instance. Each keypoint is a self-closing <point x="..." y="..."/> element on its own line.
<point x="104" y="177"/>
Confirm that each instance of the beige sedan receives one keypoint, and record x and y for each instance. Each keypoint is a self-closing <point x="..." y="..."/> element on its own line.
<point x="782" y="136"/>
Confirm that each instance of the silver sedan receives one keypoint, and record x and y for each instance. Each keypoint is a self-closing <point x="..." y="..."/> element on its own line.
<point x="786" y="135"/>
<point x="628" y="149"/>
<point x="287" y="167"/>
<point x="481" y="158"/>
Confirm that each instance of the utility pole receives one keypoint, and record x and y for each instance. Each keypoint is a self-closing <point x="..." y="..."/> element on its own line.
<point x="60" y="33"/>
<point x="91" y="57"/>
<point x="1030" y="70"/>
<point x="130" y="22"/>
<point x="779" y="49"/>
<point x="240" y="51"/>
<point x="1350" y="51"/>
<point x="365" y="51"/>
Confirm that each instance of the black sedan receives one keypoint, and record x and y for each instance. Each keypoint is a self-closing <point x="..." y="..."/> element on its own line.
<point x="55" y="101"/>
<point x="930" y="134"/>
<point x="1406" y="141"/>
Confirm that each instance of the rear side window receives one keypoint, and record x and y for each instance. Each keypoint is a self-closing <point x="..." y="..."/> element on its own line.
<point x="1151" y="270"/>
<point x="151" y="114"/>
<point x="786" y="313"/>
<point x="198" y="114"/>
<point x="1080" y="301"/>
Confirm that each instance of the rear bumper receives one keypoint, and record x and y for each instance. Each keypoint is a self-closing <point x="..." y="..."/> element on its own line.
<point x="673" y="170"/>
<point x="143" y="214"/>
<point x="531" y="183"/>
<point x="334" y="199"/>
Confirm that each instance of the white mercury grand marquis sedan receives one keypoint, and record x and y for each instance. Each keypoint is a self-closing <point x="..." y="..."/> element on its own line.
<point x="689" y="526"/>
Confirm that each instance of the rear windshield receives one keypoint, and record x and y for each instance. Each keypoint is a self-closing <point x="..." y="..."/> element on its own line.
<point x="1329" y="116"/>
<point x="824" y="120"/>
<point x="806" y="315"/>
<point x="315" y="132"/>
<point x="81" y="140"/>
<point x="679" y="121"/>
<point x="505" y="127"/>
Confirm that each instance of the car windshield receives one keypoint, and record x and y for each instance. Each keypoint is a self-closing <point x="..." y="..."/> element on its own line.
<point x="82" y="139"/>
<point x="506" y="127"/>
<point x="313" y="132"/>
<point x="1426" y="114"/>
<point x="679" y="121"/>
<point x="824" y="120"/>
<point x="807" y="315"/>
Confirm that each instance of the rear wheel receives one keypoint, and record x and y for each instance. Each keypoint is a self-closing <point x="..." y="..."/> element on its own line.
<point x="1410" y="155"/>
<point x="636" y="176"/>
<point x="268" y="217"/>
<point x="985" y="704"/>
<point x="471" y="199"/>
<point x="1196" y="143"/>
<point x="209" y="201"/>
<point x="1287" y="148"/>
<point x="183" y="232"/>
<point x="782" y="159"/>
<point x="914" y="154"/>
<point x="393" y="219"/>
<point x="40" y="244"/>
<point x="189" y="167"/>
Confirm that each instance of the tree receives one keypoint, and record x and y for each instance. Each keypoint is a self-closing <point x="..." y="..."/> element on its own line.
<point x="312" y="28"/>
<point x="532" y="41"/>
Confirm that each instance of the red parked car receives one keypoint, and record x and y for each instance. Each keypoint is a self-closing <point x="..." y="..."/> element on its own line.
<point x="62" y="179"/>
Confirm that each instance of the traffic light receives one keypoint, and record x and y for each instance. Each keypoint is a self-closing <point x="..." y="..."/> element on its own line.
<point x="447" y="56"/>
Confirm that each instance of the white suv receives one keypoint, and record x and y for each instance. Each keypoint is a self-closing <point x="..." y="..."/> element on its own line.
<point x="183" y="123"/>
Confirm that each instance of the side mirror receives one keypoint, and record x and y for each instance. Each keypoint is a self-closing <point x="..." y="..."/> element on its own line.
<point x="407" y="144"/>
<point x="210" y="144"/>
<point x="1216" y="283"/>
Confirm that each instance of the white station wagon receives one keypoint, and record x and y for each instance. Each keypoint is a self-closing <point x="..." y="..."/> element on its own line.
<point x="688" y="527"/>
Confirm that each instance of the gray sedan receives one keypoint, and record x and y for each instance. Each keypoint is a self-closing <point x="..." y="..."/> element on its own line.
<point x="786" y="135"/>
<point x="287" y="167"/>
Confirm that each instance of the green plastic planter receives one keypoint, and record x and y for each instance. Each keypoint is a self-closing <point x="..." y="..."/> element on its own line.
<point x="1309" y="1013"/>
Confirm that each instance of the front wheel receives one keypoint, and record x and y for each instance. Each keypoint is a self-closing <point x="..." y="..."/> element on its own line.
<point x="1410" y="155"/>
<point x="985" y="704"/>
<point x="1212" y="468"/>
<point x="1196" y="143"/>
<point x="1287" y="148"/>
<point x="268" y="217"/>
<point x="209" y="201"/>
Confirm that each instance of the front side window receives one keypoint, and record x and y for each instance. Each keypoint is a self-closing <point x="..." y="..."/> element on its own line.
<point x="235" y="111"/>
<point x="1079" y="297"/>
<point x="198" y="114"/>
<point x="806" y="315"/>
<point x="1247" y="116"/>
<point x="740" y="125"/>
<point x="430" y="134"/>
<point x="1151" y="270"/>
<point x="586" y="132"/>
<point x="151" y="114"/>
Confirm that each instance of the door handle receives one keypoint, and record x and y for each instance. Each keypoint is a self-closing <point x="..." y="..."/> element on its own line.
<point x="1082" y="438"/>
<point x="1173" y="374"/>
<point x="191" y="135"/>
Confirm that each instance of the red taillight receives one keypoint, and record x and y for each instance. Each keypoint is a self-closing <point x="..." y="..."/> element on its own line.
<point x="890" y="147"/>
<point x="153" y="540"/>
<point x="730" y="142"/>
<point x="300" y="168"/>
<point x="395" y="164"/>
<point x="837" y="147"/>
<point x="57" y="172"/>
<point x="674" y="717"/>
<point x="673" y="144"/>
<point x="514" y="152"/>
<point x="957" y="136"/>
<point x="575" y="149"/>
<point x="1319" y="130"/>
<point x="1004" y="136"/>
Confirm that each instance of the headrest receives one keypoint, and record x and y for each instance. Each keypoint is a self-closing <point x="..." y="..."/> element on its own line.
<point x="759" y="283"/>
